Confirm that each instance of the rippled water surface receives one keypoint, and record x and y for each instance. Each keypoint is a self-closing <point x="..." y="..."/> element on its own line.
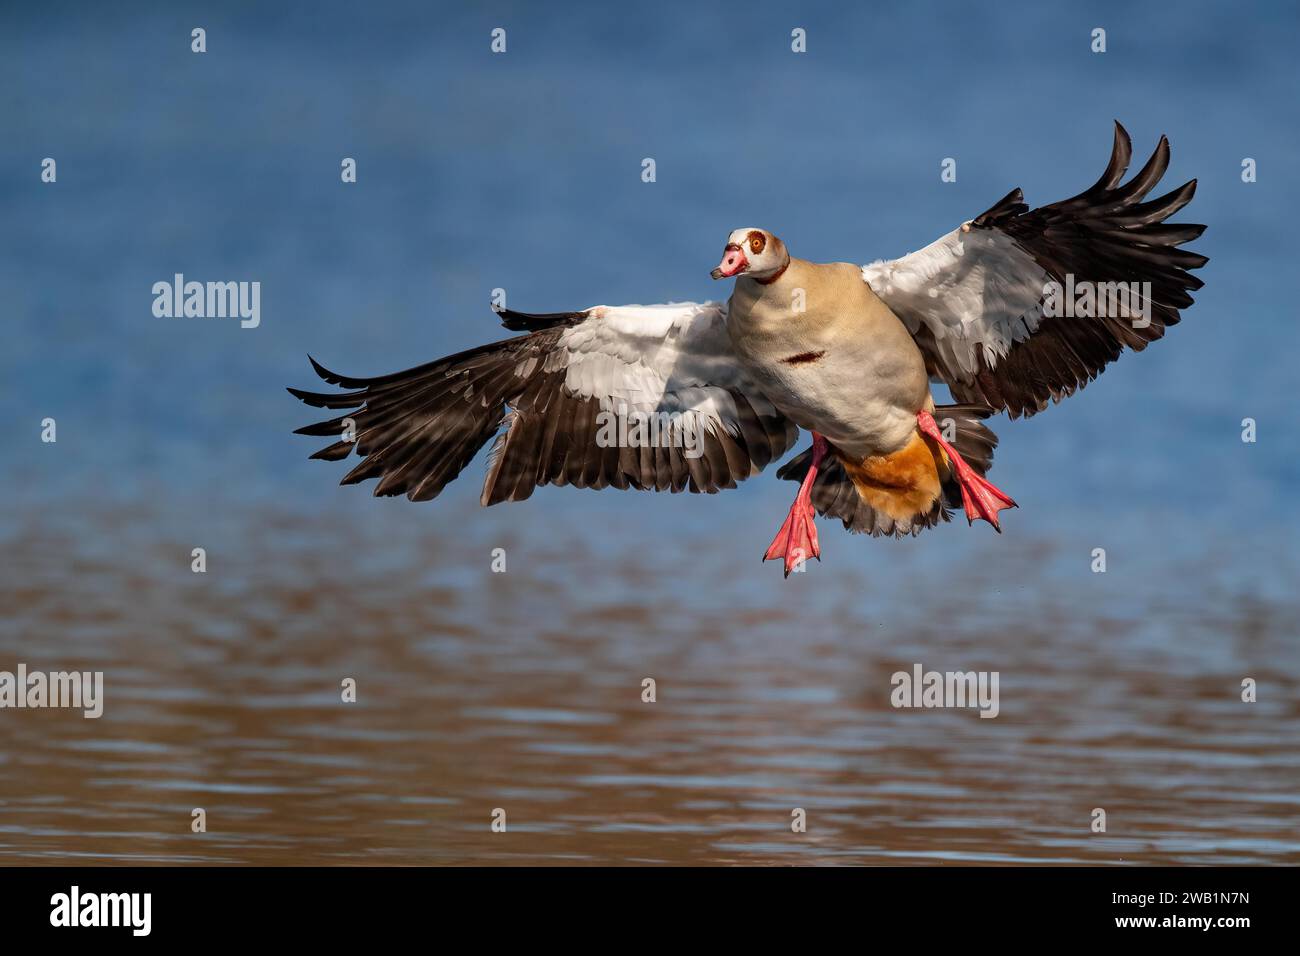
<point x="522" y="691"/>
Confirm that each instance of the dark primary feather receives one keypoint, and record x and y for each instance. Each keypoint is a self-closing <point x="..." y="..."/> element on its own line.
<point x="536" y="322"/>
<point x="1105" y="234"/>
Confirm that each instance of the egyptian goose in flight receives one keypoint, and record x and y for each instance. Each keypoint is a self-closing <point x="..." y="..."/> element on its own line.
<point x="1012" y="310"/>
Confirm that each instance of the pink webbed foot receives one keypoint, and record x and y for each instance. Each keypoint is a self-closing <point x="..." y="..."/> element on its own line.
<point x="796" y="542"/>
<point x="979" y="497"/>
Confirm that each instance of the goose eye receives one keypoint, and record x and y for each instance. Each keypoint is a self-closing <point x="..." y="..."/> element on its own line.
<point x="756" y="243"/>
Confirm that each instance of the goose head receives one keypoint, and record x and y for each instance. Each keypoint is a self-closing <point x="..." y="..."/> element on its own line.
<point x="756" y="253"/>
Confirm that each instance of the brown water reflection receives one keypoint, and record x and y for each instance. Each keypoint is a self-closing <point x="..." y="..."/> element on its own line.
<point x="522" y="691"/>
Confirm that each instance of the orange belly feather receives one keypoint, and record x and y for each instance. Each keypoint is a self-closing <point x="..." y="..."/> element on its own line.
<point x="901" y="484"/>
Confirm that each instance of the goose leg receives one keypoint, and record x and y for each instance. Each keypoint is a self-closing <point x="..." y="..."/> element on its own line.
<point x="797" y="539"/>
<point x="980" y="498"/>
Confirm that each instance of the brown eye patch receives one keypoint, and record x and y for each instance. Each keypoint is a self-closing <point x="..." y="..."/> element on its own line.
<point x="756" y="242"/>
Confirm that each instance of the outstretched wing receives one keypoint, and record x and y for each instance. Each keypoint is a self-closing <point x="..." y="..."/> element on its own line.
<point x="1001" y="309"/>
<point x="645" y="397"/>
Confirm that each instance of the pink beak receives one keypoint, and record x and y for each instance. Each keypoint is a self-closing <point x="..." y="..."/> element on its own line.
<point x="733" y="263"/>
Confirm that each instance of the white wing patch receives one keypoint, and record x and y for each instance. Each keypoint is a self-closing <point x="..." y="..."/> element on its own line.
<point x="972" y="290"/>
<point x="674" y="358"/>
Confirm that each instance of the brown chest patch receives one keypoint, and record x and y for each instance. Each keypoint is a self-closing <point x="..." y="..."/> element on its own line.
<point x="804" y="358"/>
